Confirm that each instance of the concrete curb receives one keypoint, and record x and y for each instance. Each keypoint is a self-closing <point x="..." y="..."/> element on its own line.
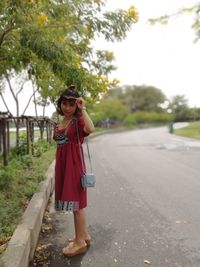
<point x="22" y="245"/>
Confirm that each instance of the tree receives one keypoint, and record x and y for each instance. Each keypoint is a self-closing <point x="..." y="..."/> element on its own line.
<point x="59" y="34"/>
<point x="139" y="97"/>
<point x="116" y="93"/>
<point x="51" y="41"/>
<point x="109" y="110"/>
<point x="179" y="107"/>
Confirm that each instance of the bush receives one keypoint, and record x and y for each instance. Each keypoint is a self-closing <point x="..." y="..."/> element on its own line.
<point x="18" y="182"/>
<point x="109" y="109"/>
<point x="5" y="179"/>
<point x="130" y="120"/>
<point x="26" y="161"/>
<point x="22" y="148"/>
<point x="152" y="117"/>
<point x="40" y="147"/>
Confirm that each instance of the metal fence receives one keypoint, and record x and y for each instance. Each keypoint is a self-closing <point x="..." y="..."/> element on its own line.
<point x="44" y="124"/>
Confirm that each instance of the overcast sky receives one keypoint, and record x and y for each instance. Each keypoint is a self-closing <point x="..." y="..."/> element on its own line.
<point x="161" y="56"/>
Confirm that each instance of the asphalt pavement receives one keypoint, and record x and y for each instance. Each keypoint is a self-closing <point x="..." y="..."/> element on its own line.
<point x="144" y="210"/>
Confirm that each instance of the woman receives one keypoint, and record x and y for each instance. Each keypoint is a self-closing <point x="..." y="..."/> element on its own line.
<point x="69" y="195"/>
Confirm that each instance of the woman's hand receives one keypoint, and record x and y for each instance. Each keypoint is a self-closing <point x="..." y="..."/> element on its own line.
<point x="80" y="103"/>
<point x="88" y="124"/>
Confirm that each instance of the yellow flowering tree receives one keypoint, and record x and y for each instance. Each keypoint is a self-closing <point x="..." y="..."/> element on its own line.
<point x="54" y="37"/>
<point x="42" y="20"/>
<point x="133" y="13"/>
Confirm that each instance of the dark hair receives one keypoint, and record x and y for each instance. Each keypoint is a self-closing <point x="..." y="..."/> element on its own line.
<point x="69" y="91"/>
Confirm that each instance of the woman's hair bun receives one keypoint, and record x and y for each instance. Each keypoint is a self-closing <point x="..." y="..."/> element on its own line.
<point x="72" y="87"/>
<point x="71" y="91"/>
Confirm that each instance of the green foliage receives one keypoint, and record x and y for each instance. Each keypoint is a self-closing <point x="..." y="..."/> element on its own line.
<point x="114" y="109"/>
<point x="22" y="148"/>
<point x="40" y="147"/>
<point x="179" y="107"/>
<point x="130" y="120"/>
<point x="132" y="105"/>
<point x="194" y="114"/>
<point x="152" y="117"/>
<point x="18" y="182"/>
<point x="143" y="97"/>
<point x="5" y="179"/>
<point x="97" y="117"/>
<point x="102" y="64"/>
<point x="52" y="40"/>
<point x="109" y="109"/>
<point x="143" y="117"/>
<point x="26" y="161"/>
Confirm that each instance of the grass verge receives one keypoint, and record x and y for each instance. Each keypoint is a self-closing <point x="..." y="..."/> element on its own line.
<point x="192" y="130"/>
<point x="18" y="182"/>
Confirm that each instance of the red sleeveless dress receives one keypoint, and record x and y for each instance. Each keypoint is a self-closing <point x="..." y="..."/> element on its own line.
<point x="69" y="194"/>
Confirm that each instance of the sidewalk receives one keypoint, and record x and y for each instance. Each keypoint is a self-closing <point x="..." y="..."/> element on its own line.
<point x="57" y="228"/>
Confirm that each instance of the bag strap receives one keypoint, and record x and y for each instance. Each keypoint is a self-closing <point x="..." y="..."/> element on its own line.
<point x="68" y="125"/>
<point x="89" y="156"/>
<point x="88" y="151"/>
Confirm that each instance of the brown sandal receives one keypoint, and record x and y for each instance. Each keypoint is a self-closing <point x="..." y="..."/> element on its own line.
<point x="74" y="249"/>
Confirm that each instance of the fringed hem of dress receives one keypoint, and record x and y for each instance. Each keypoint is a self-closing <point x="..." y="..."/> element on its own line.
<point x="66" y="205"/>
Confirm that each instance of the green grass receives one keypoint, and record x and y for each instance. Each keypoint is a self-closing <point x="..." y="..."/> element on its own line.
<point x="18" y="182"/>
<point x="192" y="130"/>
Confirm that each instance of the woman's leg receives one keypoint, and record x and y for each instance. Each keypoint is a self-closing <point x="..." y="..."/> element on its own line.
<point x="81" y="233"/>
<point x="78" y="244"/>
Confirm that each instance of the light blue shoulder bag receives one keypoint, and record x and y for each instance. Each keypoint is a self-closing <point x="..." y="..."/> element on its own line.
<point x="87" y="179"/>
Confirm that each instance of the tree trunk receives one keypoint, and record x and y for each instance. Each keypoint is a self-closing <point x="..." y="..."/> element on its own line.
<point x="34" y="97"/>
<point x="16" y="121"/>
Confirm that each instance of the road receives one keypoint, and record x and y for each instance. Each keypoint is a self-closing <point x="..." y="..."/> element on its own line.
<point x="144" y="210"/>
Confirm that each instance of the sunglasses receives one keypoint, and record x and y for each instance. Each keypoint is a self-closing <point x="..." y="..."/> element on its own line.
<point x="70" y="101"/>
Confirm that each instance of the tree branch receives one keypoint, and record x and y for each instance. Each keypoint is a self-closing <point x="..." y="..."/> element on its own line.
<point x="35" y="102"/>
<point x="10" y="86"/>
<point x="29" y="101"/>
<point x="9" y="29"/>
<point x="6" y="106"/>
<point x="164" y="18"/>
<point x="22" y="87"/>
